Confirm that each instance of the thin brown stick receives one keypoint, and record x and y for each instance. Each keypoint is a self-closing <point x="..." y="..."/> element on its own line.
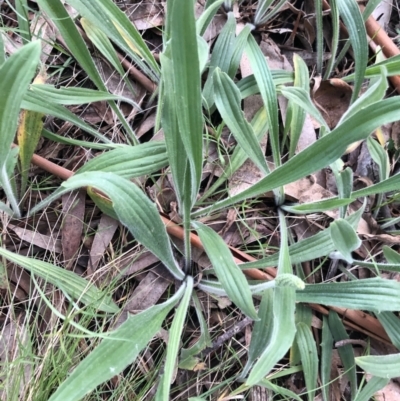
<point x="138" y="75"/>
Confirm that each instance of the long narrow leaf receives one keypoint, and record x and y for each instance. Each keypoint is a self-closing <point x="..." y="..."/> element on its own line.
<point x="345" y="352"/>
<point x="326" y="358"/>
<point x="265" y="82"/>
<point x="130" y="161"/>
<point x="231" y="277"/>
<point x="227" y="99"/>
<point x="262" y="330"/>
<point x="175" y="334"/>
<point x="385" y="366"/>
<point x="371" y="388"/>
<point x="75" y="286"/>
<point x="373" y="294"/>
<point x="283" y="332"/>
<point x="391" y="324"/>
<point x="116" y="352"/>
<point x="309" y="357"/>
<point x="106" y="15"/>
<point x="320" y="154"/>
<point x="16" y="74"/>
<point x="221" y="57"/>
<point x="132" y="208"/>
<point x="314" y="247"/>
<point x="187" y="91"/>
<point x="353" y="20"/>
<point x="36" y="103"/>
<point x="76" y="45"/>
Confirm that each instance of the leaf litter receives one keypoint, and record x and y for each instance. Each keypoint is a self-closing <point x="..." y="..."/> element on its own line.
<point x="144" y="283"/>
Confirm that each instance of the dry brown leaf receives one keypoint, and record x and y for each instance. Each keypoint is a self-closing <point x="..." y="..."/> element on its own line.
<point x="146" y="125"/>
<point x="147" y="293"/>
<point x="333" y="99"/>
<point x="105" y="231"/>
<point x="149" y="290"/>
<point x="145" y="15"/>
<point x="72" y="225"/>
<point x="131" y="262"/>
<point x="35" y="238"/>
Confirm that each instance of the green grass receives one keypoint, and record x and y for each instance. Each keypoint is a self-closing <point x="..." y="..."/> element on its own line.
<point x="74" y="332"/>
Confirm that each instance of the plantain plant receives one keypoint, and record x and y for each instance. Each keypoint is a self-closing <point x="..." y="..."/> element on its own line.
<point x="282" y="319"/>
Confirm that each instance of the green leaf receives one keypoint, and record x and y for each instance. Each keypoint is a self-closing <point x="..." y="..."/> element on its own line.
<point x="36" y="103"/>
<point x="75" y="286"/>
<point x="16" y="74"/>
<point x="383" y="186"/>
<point x="283" y="332"/>
<point x="72" y="96"/>
<point x="279" y="390"/>
<point x="375" y="93"/>
<point x="130" y="161"/>
<point x="319" y="35"/>
<point x="76" y="142"/>
<point x="187" y="358"/>
<point x="221" y="57"/>
<point x="391" y="324"/>
<point x="392" y="267"/>
<point x="263" y="12"/>
<point x="103" y="44"/>
<point x="314" y="247"/>
<point x="320" y="154"/>
<point x="344" y="238"/>
<point x="4" y="208"/>
<point x="335" y="37"/>
<point x="301" y="98"/>
<point x="175" y="334"/>
<point x="177" y="156"/>
<point x="284" y="262"/>
<point x="391" y="255"/>
<point x="248" y="85"/>
<point x="297" y="112"/>
<point x="262" y="330"/>
<point x="240" y="44"/>
<point x="353" y="20"/>
<point x="309" y="358"/>
<point x="206" y="17"/>
<point x="133" y="209"/>
<point x="239" y="156"/>
<point x="371" y="388"/>
<point x="21" y="7"/>
<point x="380" y="157"/>
<point x="385" y="366"/>
<point x="372" y="294"/>
<point x="227" y="100"/>
<point x="76" y="45"/>
<point x="230" y="276"/>
<point x="345" y="352"/>
<point x="108" y="17"/>
<point x="391" y="64"/>
<point x="326" y="358"/>
<point x="116" y="352"/>
<point x="187" y="89"/>
<point x="265" y="82"/>
<point x="317" y="206"/>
